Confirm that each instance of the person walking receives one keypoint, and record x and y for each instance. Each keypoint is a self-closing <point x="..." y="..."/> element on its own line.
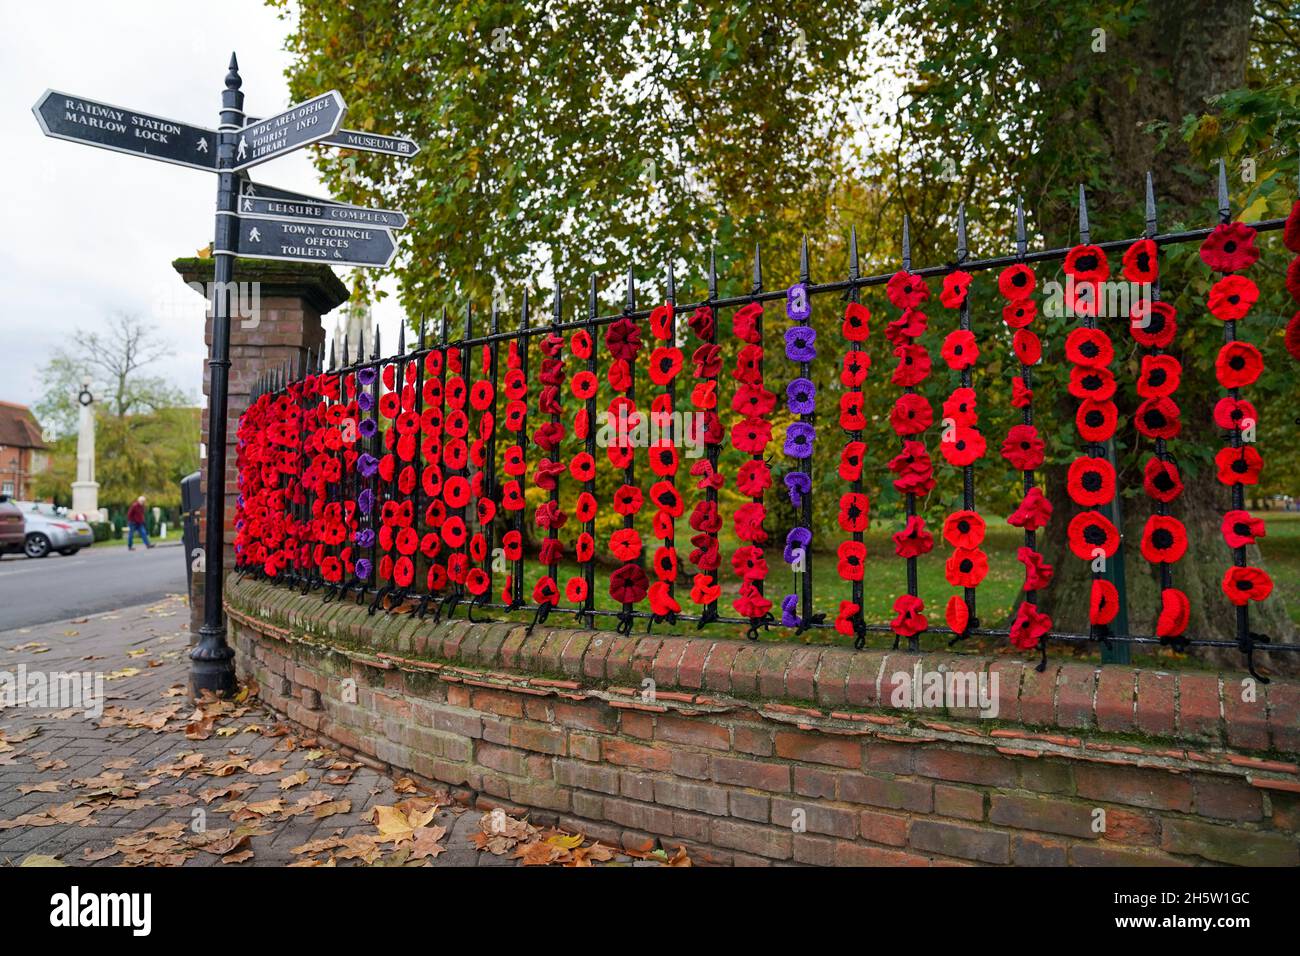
<point x="135" y="524"/>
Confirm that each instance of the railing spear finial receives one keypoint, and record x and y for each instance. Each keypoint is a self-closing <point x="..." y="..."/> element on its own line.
<point x="907" y="244"/>
<point x="469" y="320"/>
<point x="557" y="307"/>
<point x="308" y="363"/>
<point x="332" y="366"/>
<point x="374" y="353"/>
<point x="854" y="265"/>
<point x="672" y="284"/>
<point x="443" y="325"/>
<point x="1085" y="233"/>
<point x="630" y="301"/>
<point x="804" y="274"/>
<point x="494" y="319"/>
<point x="1022" y="239"/>
<point x="593" y="300"/>
<point x="1151" y="206"/>
<point x="345" y="350"/>
<point x="962" y="249"/>
<point x="1225" y="208"/>
<point x="401" y="337"/>
<point x="523" y="312"/>
<point x="758" y="269"/>
<point x="713" y="272"/>
<point x="422" y="329"/>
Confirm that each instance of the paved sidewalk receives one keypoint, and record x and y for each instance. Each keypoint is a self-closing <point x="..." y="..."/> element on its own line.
<point x="147" y="784"/>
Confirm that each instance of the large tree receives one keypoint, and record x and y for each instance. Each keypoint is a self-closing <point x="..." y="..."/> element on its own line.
<point x="564" y="139"/>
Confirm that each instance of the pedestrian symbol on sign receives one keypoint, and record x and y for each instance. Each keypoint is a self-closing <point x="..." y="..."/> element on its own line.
<point x="254" y="235"/>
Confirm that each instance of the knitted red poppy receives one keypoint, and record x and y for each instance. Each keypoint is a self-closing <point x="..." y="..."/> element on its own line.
<point x="1164" y="539"/>
<point x="1019" y="313"/>
<point x="1090" y="348"/>
<point x="855" y="368"/>
<point x="661" y="320"/>
<point x="1091" y="482"/>
<point x="1023" y="449"/>
<point x="1175" y="610"/>
<point x="625" y="544"/>
<point x="956" y="285"/>
<point x="855" y="511"/>
<point x="584" y="548"/>
<point x="664" y="564"/>
<point x="1231" y="297"/>
<point x="853" y="411"/>
<point x="1241" y="528"/>
<point x="1016" y="282"/>
<point x="964" y="529"/>
<point x="966" y="568"/>
<point x="851" y="454"/>
<point x="1033" y="512"/>
<point x="913" y="541"/>
<point x="913" y="365"/>
<point x="906" y="290"/>
<point x="1159" y="377"/>
<point x="1243" y="585"/>
<point x="1092" y="383"/>
<point x="1029" y="627"/>
<point x="665" y="363"/>
<point x="1238" y="364"/>
<point x="748" y="563"/>
<point x="702" y="324"/>
<point x="857" y="322"/>
<point x="1230" y="247"/>
<point x="1096" y="420"/>
<point x="1038" y="573"/>
<point x="628" y="584"/>
<point x="1103" y="603"/>
<point x="959" y="349"/>
<point x="1087" y="263"/>
<point x="1153" y="324"/>
<point x="908" y="617"/>
<point x="1027" y="347"/>
<point x="1161" y="481"/>
<point x="911" y="414"/>
<point x="961" y="408"/>
<point x="1232" y="413"/>
<point x="1141" y="263"/>
<point x="704" y="590"/>
<point x="1238" y="466"/>
<point x="1089" y="532"/>
<point x="957" y="614"/>
<point x="962" y="446"/>
<point x="851" y="559"/>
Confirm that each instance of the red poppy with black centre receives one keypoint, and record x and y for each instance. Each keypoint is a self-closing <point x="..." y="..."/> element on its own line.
<point x="960" y="406"/>
<point x="1096" y="419"/>
<point x="665" y="563"/>
<point x="913" y="365"/>
<point x="666" y="498"/>
<point x="1241" y="528"/>
<point x="435" y="514"/>
<point x="752" y="401"/>
<point x="855" y="368"/>
<point x="911" y="415"/>
<point x="665" y="363"/>
<point x="1243" y="585"/>
<point x="584" y="548"/>
<point x="964" y="529"/>
<point x="1023" y="448"/>
<point x="1158" y="418"/>
<point x="914" y="540"/>
<point x="584" y="384"/>
<point x="1091" y="482"/>
<point x="620" y="456"/>
<point x="1090" y="532"/>
<point x="1159" y="377"/>
<point x="1141" y="264"/>
<point x="966" y="568"/>
<point x="1093" y="383"/>
<point x="619" y="375"/>
<point x="1090" y="348"/>
<point x="545" y="591"/>
<point x="1231" y="298"/>
<point x="751" y="435"/>
<point x="956" y="286"/>
<point x="583" y="467"/>
<point x="453" y="531"/>
<point x="1016" y="281"/>
<point x="1232" y="413"/>
<point x="856" y="326"/>
<point x="851" y="559"/>
<point x="551" y="552"/>
<point x="1161" y="480"/>
<point x="1019" y="313"/>
<point x="455" y="454"/>
<point x="1027" y="347"/>
<point x="1164" y="540"/>
<point x="663" y="458"/>
<point x="852" y="414"/>
<point x="1230" y="247"/>
<point x="512" y="496"/>
<point x="749" y="365"/>
<point x="1087" y="263"/>
<point x="1238" y="466"/>
<point x="1153" y="324"/>
<point x="960" y="350"/>
<point x="516" y="416"/>
<point x="855" y="511"/>
<point x="906" y="290"/>
<point x="962" y="446"/>
<point x="850" y="468"/>
<point x="627" y="500"/>
<point x="1238" y="364"/>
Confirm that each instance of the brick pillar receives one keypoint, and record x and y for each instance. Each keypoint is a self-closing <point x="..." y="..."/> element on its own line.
<point x="275" y="312"/>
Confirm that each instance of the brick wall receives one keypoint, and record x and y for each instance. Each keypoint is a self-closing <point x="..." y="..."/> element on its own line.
<point x="771" y="753"/>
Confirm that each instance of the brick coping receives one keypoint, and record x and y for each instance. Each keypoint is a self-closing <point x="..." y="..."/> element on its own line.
<point x="1108" y="713"/>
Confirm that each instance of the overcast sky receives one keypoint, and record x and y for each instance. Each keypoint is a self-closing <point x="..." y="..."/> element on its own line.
<point x="89" y="232"/>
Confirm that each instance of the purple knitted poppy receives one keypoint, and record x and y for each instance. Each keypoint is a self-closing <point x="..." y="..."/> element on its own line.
<point x="798" y="484"/>
<point x="364" y="538"/>
<point x="365" y="501"/>
<point x="367" y="465"/>
<point x="789" y="609"/>
<point x="363" y="568"/>
<point x="799" y="440"/>
<point x="796" y="544"/>
<point x="797" y="305"/>
<point x="367" y="427"/>
<point x="800" y="343"/>
<point x="365" y="401"/>
<point x="801" y="395"/>
<point x="366" y="376"/>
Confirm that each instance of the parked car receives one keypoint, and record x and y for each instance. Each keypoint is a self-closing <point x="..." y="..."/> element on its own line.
<point x="50" y="529"/>
<point x="12" y="534"/>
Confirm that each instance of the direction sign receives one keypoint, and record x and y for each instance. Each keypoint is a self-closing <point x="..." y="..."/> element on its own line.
<point x="301" y="125"/>
<point x="258" y="200"/>
<point x="331" y="243"/>
<point x="75" y="118"/>
<point x="370" y="142"/>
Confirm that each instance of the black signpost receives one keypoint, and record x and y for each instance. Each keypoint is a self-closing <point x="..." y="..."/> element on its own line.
<point x="278" y="224"/>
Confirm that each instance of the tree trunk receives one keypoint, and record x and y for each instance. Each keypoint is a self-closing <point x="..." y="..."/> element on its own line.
<point x="1186" y="52"/>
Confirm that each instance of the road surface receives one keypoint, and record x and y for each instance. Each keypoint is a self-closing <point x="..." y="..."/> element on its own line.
<point x="36" y="591"/>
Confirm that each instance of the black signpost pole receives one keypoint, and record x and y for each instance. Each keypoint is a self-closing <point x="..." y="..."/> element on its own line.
<point x="213" y="667"/>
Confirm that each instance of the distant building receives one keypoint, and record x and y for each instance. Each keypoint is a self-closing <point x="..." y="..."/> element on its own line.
<point x="22" y="450"/>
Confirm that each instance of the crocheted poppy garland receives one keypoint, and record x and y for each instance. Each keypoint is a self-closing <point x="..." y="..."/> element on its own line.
<point x="750" y="435"/>
<point x="1091" y="535"/>
<point x="550" y="468"/>
<point x="1153" y="325"/>
<point x="584" y="385"/>
<point x="855" y="507"/>
<point x="910" y="416"/>
<point x="665" y="365"/>
<point x="706" y="363"/>
<point x="515" y="467"/>
<point x="962" y="444"/>
<point x="1017" y="284"/>
<point x="1229" y="250"/>
<point x="628" y="584"/>
<point x="800" y="436"/>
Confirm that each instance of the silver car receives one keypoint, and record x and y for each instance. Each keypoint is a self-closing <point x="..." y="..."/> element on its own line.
<point x="49" y="529"/>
